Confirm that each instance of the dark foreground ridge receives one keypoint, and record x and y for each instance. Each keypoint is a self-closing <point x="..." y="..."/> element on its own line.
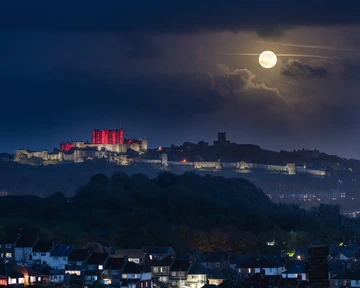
<point x="186" y="211"/>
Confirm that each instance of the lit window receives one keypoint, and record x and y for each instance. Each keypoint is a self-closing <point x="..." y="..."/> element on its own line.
<point x="39" y="279"/>
<point x="162" y="269"/>
<point x="8" y="255"/>
<point x="135" y="260"/>
<point x="100" y="267"/>
<point x="156" y="269"/>
<point x="21" y="281"/>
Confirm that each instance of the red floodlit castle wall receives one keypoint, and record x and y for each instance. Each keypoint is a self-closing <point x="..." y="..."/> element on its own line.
<point x="107" y="136"/>
<point x="66" y="146"/>
<point x="100" y="137"/>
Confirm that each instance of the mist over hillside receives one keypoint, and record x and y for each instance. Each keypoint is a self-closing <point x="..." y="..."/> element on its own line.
<point x="187" y="211"/>
<point x="20" y="179"/>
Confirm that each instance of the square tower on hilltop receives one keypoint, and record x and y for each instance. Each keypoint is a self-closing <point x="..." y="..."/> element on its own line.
<point x="221" y="139"/>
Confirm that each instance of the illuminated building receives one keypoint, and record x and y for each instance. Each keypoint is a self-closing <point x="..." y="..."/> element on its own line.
<point x="108" y="140"/>
<point x="107" y="136"/>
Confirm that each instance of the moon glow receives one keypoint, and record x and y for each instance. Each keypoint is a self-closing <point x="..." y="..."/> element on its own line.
<point x="267" y="59"/>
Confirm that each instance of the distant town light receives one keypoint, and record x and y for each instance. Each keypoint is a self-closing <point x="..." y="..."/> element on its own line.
<point x="184" y="161"/>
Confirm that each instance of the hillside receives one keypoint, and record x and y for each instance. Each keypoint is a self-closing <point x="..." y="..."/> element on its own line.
<point x="254" y="154"/>
<point x="187" y="211"/>
<point x="20" y="179"/>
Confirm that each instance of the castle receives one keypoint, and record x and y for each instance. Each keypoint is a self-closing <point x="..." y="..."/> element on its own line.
<point x="112" y="146"/>
<point x="107" y="140"/>
<point x="109" y="144"/>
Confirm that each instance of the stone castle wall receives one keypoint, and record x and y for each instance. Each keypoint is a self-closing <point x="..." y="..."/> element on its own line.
<point x="79" y="155"/>
<point x="29" y="154"/>
<point x="118" y="148"/>
<point x="290" y="168"/>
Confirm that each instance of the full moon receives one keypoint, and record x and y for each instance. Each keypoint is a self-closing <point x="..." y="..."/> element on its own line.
<point x="267" y="59"/>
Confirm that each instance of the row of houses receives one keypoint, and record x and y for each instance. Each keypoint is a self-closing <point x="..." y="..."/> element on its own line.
<point x="27" y="260"/>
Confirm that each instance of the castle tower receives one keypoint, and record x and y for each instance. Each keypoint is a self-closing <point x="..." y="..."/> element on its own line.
<point x="291" y="168"/>
<point x="164" y="160"/>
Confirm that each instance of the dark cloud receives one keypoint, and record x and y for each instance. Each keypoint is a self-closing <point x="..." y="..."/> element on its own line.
<point x="60" y="100"/>
<point x="78" y="93"/>
<point x="141" y="46"/>
<point x="69" y="96"/>
<point x="260" y="105"/>
<point x="296" y="67"/>
<point x="175" y="17"/>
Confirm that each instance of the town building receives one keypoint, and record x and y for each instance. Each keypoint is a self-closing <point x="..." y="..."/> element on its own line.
<point x="318" y="266"/>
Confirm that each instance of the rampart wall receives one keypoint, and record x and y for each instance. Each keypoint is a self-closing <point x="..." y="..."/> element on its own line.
<point x="118" y="148"/>
<point x="79" y="155"/>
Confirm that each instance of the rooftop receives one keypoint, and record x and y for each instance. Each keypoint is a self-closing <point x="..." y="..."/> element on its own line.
<point x="131" y="253"/>
<point x="260" y="262"/>
<point x="214" y="256"/>
<point x="97" y="258"/>
<point x="164" y="262"/>
<point x="160" y="250"/>
<point x="180" y="265"/>
<point x="26" y="270"/>
<point x="132" y="268"/>
<point x="43" y="246"/>
<point x="198" y="269"/>
<point x="79" y="255"/>
<point x="26" y="241"/>
<point x="295" y="268"/>
<point x="61" y="250"/>
<point x="115" y="263"/>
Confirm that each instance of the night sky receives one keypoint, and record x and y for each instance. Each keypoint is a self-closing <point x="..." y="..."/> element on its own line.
<point x="156" y="69"/>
